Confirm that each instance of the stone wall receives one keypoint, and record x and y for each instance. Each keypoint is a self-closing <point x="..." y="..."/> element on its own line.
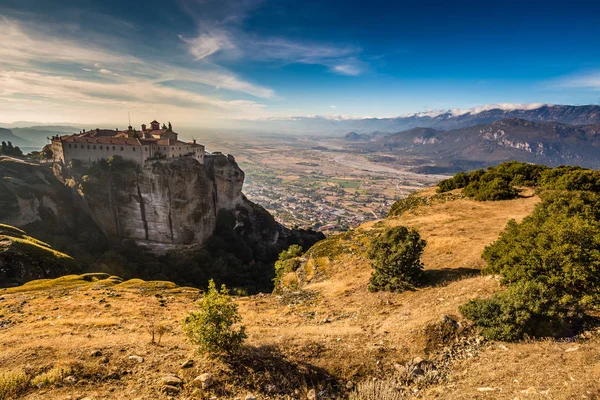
<point x="93" y="152"/>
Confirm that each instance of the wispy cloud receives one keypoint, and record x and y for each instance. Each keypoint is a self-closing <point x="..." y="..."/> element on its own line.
<point x="583" y="80"/>
<point x="222" y="36"/>
<point x="53" y="68"/>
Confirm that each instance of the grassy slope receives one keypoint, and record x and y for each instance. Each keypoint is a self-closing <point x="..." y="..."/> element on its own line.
<point x="32" y="253"/>
<point x="336" y="328"/>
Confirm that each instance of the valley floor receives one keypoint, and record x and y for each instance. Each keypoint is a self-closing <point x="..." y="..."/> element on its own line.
<point x="332" y="332"/>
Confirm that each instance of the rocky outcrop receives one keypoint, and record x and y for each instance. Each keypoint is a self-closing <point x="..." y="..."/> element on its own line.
<point x="23" y="258"/>
<point x="164" y="205"/>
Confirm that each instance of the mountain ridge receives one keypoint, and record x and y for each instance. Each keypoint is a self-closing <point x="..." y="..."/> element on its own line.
<point x="549" y="143"/>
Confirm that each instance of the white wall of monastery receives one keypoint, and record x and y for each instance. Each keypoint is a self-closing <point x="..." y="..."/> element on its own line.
<point x="88" y="152"/>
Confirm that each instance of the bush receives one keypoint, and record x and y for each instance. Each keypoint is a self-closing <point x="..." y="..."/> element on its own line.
<point x="551" y="262"/>
<point x="53" y="376"/>
<point x="495" y="183"/>
<point x="289" y="261"/>
<point x="13" y="383"/>
<point x="396" y="260"/>
<point x="211" y="328"/>
<point x="558" y="245"/>
<point x="495" y="189"/>
<point x="525" y="309"/>
<point x="571" y="178"/>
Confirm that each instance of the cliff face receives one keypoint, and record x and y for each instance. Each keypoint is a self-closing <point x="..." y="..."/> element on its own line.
<point x="167" y="205"/>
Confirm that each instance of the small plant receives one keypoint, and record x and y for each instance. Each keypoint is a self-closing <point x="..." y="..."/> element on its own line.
<point x="396" y="258"/>
<point x="13" y="383"/>
<point x="53" y="376"/>
<point x="211" y="327"/>
<point x="156" y="331"/>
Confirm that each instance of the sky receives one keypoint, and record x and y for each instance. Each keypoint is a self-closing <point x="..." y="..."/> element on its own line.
<point x="207" y="62"/>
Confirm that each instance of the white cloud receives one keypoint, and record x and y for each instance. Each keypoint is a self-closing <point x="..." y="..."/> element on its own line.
<point x="39" y="68"/>
<point x="208" y="44"/>
<point x="232" y="43"/>
<point x="478" y="109"/>
<point x="586" y="80"/>
<point x="347" y="69"/>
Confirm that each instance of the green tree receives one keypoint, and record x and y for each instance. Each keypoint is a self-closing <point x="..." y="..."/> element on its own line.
<point x="211" y="327"/>
<point x="396" y="259"/>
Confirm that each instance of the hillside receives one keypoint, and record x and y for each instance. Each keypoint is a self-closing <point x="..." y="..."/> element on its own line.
<point x="6" y="135"/>
<point x="548" y="143"/>
<point x="24" y="258"/>
<point x="329" y="335"/>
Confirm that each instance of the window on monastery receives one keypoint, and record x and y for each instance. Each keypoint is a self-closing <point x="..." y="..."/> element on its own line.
<point x="100" y="147"/>
<point x="69" y="146"/>
<point x="145" y="148"/>
<point x="121" y="149"/>
<point x="94" y="147"/>
<point x="113" y="147"/>
<point x="75" y="145"/>
<point x="133" y="148"/>
<point x="88" y="146"/>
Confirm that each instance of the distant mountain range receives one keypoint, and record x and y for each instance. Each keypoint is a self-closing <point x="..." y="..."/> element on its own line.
<point x="6" y="135"/>
<point x="566" y="114"/>
<point x="34" y="136"/>
<point x="549" y="143"/>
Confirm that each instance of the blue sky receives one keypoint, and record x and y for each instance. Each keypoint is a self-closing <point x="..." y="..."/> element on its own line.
<point x="206" y="61"/>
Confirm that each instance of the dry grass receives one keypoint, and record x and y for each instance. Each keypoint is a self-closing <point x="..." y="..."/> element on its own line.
<point x="376" y="390"/>
<point x="333" y="333"/>
<point x="13" y="383"/>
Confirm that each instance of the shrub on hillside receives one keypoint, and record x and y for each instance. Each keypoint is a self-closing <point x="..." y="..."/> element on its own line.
<point x="551" y="262"/>
<point x="13" y="383"/>
<point x="527" y="308"/>
<point x="396" y="259"/>
<point x="212" y="326"/>
<point x="289" y="261"/>
<point x="495" y="183"/>
<point x="558" y="245"/>
<point x="495" y="189"/>
<point x="571" y="178"/>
